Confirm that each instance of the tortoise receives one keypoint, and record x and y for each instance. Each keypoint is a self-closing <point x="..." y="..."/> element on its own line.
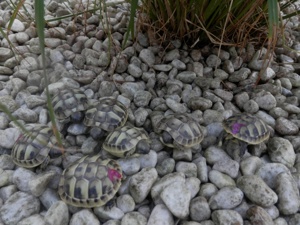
<point x="32" y="149"/>
<point x="247" y="129"/>
<point x="127" y="140"/>
<point x="68" y="104"/>
<point x="90" y="182"/>
<point x="180" y="131"/>
<point x="106" y="115"/>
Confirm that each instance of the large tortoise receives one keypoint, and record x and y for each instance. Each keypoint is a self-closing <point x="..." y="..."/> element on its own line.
<point x="90" y="182"/>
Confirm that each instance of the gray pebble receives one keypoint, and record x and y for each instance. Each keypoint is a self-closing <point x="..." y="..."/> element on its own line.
<point x="130" y="165"/>
<point x="269" y="171"/>
<point x="22" y="178"/>
<point x="160" y="215"/>
<point x="282" y="151"/>
<point x="125" y="203"/>
<point x="57" y="214"/>
<point x="148" y="160"/>
<point x="103" y="213"/>
<point x="77" y="129"/>
<point x="171" y="55"/>
<point x="147" y="56"/>
<point x="177" y="197"/>
<point x="265" y="100"/>
<point x="224" y="217"/>
<point x="19" y="206"/>
<point x="35" y="219"/>
<point x="162" y="67"/>
<point x="227" y="166"/>
<point x="5" y="54"/>
<point x="295" y="79"/>
<point x="251" y="106"/>
<point x="202" y="170"/>
<point x="221" y="74"/>
<point x="225" y="95"/>
<point x="257" y="191"/>
<point x="220" y="179"/>
<point x="166" y="180"/>
<point x="199" y="209"/>
<point x="214" y="154"/>
<point x="49" y="197"/>
<point x="17" y="26"/>
<point x="6" y="162"/>
<point x="83" y="217"/>
<point x="134" y="70"/>
<point x="8" y="137"/>
<point x="141" y="183"/>
<point x="186" y="77"/>
<point x="134" y="218"/>
<point x="4" y="179"/>
<point x="89" y="146"/>
<point x="213" y="61"/>
<point x="189" y="169"/>
<point x="27" y="115"/>
<point x="258" y="215"/>
<point x="130" y="88"/>
<point x="33" y="101"/>
<point x="199" y="103"/>
<point x="142" y="98"/>
<point x="239" y="75"/>
<point x="29" y="63"/>
<point x="288" y="194"/>
<point x="165" y="167"/>
<point x="286" y="127"/>
<point x="38" y="184"/>
<point x="9" y="102"/>
<point x="175" y="106"/>
<point x="226" y="198"/>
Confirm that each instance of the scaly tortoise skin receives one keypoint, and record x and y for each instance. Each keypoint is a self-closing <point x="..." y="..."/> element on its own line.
<point x="32" y="149"/>
<point x="180" y="131"/>
<point x="247" y="129"/>
<point x="90" y="182"/>
<point x="126" y="140"/>
<point x="69" y="103"/>
<point x="108" y="114"/>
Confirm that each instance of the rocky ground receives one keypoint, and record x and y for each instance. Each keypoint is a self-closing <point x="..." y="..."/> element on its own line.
<point x="206" y="184"/>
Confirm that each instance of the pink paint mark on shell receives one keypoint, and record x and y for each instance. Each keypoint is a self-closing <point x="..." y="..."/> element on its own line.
<point x="236" y="127"/>
<point x="113" y="175"/>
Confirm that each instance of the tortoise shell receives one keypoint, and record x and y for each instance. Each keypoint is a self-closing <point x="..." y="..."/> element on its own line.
<point x="123" y="141"/>
<point x="68" y="102"/>
<point x="183" y="130"/>
<point x="90" y="182"/>
<point x="108" y="114"/>
<point x="32" y="149"/>
<point x="247" y="128"/>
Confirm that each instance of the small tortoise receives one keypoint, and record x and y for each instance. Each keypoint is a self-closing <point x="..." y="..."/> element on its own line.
<point x="127" y="140"/>
<point x="32" y="149"/>
<point x="90" y="182"/>
<point x="180" y="131"/>
<point x="68" y="104"/>
<point x="247" y="129"/>
<point x="107" y="114"/>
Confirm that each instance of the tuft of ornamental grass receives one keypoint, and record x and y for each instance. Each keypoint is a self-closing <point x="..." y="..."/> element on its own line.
<point x="225" y="22"/>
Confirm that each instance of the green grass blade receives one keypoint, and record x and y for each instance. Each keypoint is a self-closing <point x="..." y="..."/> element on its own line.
<point x="134" y="6"/>
<point x="40" y="24"/>
<point x="273" y="16"/>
